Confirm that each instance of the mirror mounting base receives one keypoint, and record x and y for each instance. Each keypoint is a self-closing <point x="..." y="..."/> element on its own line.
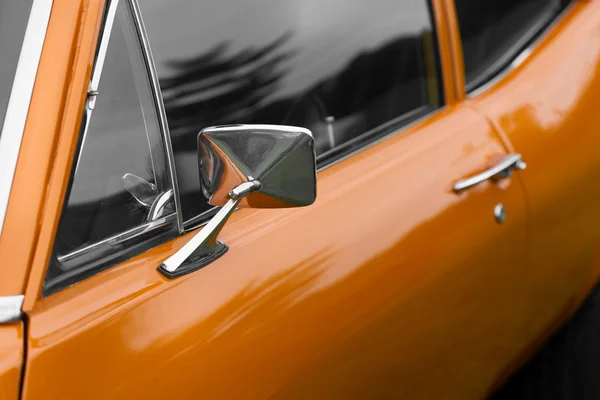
<point x="195" y="263"/>
<point x="205" y="248"/>
<point x="276" y="161"/>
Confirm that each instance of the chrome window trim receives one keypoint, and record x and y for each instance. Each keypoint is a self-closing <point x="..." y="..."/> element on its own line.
<point x="20" y="98"/>
<point x="200" y="220"/>
<point x="120" y="238"/>
<point x="393" y="132"/>
<point x="162" y="114"/>
<point x="90" y="103"/>
<point x="542" y="29"/>
<point x="103" y="46"/>
<point x="386" y="126"/>
<point x="101" y="256"/>
<point x="10" y="308"/>
<point x="395" y="126"/>
<point x="149" y="230"/>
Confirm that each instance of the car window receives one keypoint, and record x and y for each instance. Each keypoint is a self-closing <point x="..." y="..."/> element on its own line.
<point x="120" y="171"/>
<point x="341" y="68"/>
<point x="13" y="22"/>
<point x="494" y="32"/>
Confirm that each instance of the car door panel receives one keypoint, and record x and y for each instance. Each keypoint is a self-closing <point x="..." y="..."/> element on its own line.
<point x="11" y="357"/>
<point x="547" y="108"/>
<point x="388" y="282"/>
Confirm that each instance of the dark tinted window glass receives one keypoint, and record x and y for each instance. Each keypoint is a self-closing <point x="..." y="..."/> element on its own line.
<point x="337" y="67"/>
<point x="13" y="22"/>
<point x="121" y="155"/>
<point x="494" y="32"/>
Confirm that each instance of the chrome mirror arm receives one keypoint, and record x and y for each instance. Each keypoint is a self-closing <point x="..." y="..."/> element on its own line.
<point x="274" y="165"/>
<point x="205" y="247"/>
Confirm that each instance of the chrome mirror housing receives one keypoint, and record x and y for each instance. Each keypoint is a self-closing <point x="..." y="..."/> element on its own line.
<point x="279" y="161"/>
<point x="256" y="166"/>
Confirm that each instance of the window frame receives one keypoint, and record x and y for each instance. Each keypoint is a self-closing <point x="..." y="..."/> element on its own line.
<point x="517" y="54"/>
<point x="104" y="254"/>
<point x="374" y="135"/>
<point x="20" y="96"/>
<point x="107" y="253"/>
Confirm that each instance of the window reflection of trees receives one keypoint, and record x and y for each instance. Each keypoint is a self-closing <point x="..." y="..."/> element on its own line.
<point x="214" y="88"/>
<point x="223" y="87"/>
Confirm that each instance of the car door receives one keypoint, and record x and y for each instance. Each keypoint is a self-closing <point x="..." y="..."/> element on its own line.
<point x="395" y="283"/>
<point x="541" y="91"/>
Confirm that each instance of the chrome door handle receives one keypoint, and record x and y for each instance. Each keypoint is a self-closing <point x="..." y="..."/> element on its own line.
<point x="503" y="169"/>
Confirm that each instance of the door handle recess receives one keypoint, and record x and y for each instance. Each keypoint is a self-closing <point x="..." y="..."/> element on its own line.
<point x="502" y="170"/>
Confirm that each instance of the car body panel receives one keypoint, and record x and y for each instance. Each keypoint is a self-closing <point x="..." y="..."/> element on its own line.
<point x="37" y="157"/>
<point x="450" y="74"/>
<point x="546" y="108"/>
<point x="328" y="301"/>
<point x="11" y="360"/>
<point x="552" y="119"/>
<point x="72" y="35"/>
<point x="454" y="62"/>
<point x="331" y="298"/>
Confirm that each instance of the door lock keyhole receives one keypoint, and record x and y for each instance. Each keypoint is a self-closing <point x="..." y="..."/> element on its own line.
<point x="500" y="213"/>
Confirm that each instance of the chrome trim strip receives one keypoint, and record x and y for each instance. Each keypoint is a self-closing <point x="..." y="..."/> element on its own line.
<point x="200" y="220"/>
<point x="204" y="218"/>
<point x="101" y="56"/>
<point x="393" y="132"/>
<point x="120" y="238"/>
<point x="20" y="98"/>
<point x="523" y="55"/>
<point x="97" y="72"/>
<point x="161" y="202"/>
<point x="10" y="308"/>
<point x="147" y="52"/>
<point x="150" y="226"/>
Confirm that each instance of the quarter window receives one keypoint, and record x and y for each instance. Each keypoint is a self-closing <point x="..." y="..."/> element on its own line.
<point x="120" y="199"/>
<point x="494" y="32"/>
<point x="349" y="70"/>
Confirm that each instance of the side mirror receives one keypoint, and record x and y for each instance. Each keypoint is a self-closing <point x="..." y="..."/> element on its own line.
<point x="256" y="166"/>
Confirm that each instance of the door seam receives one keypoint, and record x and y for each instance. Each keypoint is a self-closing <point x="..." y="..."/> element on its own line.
<point x="25" y="321"/>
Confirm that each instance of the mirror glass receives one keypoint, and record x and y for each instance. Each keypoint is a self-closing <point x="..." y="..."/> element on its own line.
<point x="281" y="158"/>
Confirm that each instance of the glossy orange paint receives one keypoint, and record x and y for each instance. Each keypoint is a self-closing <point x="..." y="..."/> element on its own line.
<point x="11" y="360"/>
<point x="390" y="285"/>
<point x="26" y="207"/>
<point x="454" y="48"/>
<point x="29" y="196"/>
<point x="546" y="108"/>
<point x="552" y="119"/>
<point x="346" y="291"/>
<point x="72" y="34"/>
<point x="446" y="52"/>
<point x="330" y="315"/>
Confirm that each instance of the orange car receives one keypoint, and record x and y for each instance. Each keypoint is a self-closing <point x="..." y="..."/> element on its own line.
<point x="456" y="226"/>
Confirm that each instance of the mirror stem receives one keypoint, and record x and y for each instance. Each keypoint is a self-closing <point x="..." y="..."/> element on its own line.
<point x="204" y="248"/>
